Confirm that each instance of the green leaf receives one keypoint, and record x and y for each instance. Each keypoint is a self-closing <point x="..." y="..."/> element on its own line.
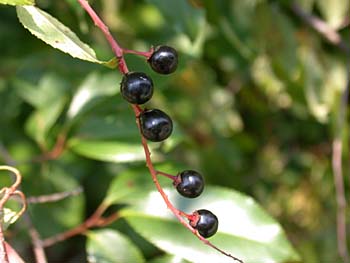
<point x="44" y="93"/>
<point x="17" y="2"/>
<point x="245" y="229"/>
<point x="129" y="185"/>
<point x="48" y="97"/>
<point x="185" y="17"/>
<point x="57" y="35"/>
<point x="40" y="122"/>
<point x="133" y="185"/>
<point x="110" y="246"/>
<point x="93" y="87"/>
<point x="108" y="151"/>
<point x="118" y="125"/>
<point x="63" y="214"/>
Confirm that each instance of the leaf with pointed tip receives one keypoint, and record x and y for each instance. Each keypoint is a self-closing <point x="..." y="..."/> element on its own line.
<point x="53" y="32"/>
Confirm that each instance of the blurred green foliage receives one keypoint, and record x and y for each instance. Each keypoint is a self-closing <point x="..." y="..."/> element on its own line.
<point x="255" y="102"/>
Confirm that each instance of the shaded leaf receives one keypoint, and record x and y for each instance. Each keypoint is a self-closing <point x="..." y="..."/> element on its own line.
<point x="109" y="151"/>
<point x="40" y="122"/>
<point x="110" y="246"/>
<point x="93" y="87"/>
<point x="120" y="125"/>
<point x="17" y="2"/>
<point x="245" y="229"/>
<point x="185" y="17"/>
<point x="44" y="93"/>
<point x="63" y="214"/>
<point x="57" y="35"/>
<point x="133" y="185"/>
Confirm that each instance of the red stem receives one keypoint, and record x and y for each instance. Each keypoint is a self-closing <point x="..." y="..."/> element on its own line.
<point x="172" y="177"/>
<point x="174" y="210"/>
<point x="119" y="52"/>
<point x="146" y="54"/>
<point x="95" y="220"/>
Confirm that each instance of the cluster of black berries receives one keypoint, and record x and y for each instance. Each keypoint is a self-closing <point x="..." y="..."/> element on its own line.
<point x="156" y="126"/>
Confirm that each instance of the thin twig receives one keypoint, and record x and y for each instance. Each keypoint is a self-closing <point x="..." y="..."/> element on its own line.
<point x="178" y="214"/>
<point x="114" y="45"/>
<point x="321" y="27"/>
<point x="38" y="248"/>
<point x="7" y="192"/>
<point x="95" y="220"/>
<point x="54" y="197"/>
<point x="338" y="169"/>
<point x="137" y="110"/>
<point x="332" y="36"/>
<point x="3" y="254"/>
<point x="56" y="151"/>
<point x="65" y="235"/>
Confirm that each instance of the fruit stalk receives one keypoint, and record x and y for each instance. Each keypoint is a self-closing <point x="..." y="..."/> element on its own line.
<point x="119" y="52"/>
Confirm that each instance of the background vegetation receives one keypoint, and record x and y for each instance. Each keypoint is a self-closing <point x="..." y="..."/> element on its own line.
<point x="257" y="101"/>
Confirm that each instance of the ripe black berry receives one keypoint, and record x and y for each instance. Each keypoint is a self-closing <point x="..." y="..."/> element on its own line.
<point x="136" y="87"/>
<point x="155" y="125"/>
<point x="205" y="222"/>
<point x="163" y="60"/>
<point x="189" y="183"/>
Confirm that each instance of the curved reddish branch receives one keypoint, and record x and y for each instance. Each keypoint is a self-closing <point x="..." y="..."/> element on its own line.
<point x="5" y="194"/>
<point x="119" y="52"/>
<point x="95" y="220"/>
<point x="179" y="214"/>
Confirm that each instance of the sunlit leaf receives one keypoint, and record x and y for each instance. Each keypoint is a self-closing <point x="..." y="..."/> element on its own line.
<point x="334" y="11"/>
<point x="53" y="32"/>
<point x="110" y="246"/>
<point x="245" y="229"/>
<point x="17" y="2"/>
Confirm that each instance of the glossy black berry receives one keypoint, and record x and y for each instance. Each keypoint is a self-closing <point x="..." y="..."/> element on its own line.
<point x="205" y="222"/>
<point x="163" y="60"/>
<point x="136" y="87"/>
<point x="189" y="183"/>
<point x="155" y="125"/>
